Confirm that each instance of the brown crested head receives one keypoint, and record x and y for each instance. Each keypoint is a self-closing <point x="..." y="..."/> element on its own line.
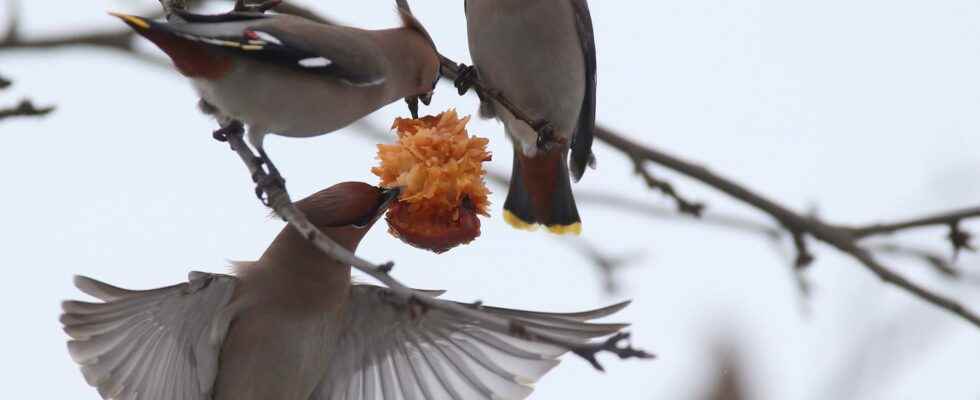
<point x="345" y="212"/>
<point x="344" y="204"/>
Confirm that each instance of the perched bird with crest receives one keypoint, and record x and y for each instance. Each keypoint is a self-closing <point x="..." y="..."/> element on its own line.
<point x="541" y="55"/>
<point x="291" y="76"/>
<point x="293" y="326"/>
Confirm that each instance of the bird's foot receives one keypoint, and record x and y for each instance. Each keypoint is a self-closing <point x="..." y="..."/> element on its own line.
<point x="464" y="81"/>
<point x="546" y="134"/>
<point x="268" y="181"/>
<point x="232" y="128"/>
<point x="261" y="7"/>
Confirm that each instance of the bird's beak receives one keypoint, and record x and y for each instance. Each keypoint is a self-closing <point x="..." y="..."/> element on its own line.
<point x="388" y="196"/>
<point x="426" y="98"/>
<point x="413" y="106"/>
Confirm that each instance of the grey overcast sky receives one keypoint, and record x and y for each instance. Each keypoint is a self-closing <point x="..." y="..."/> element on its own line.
<point x="861" y="110"/>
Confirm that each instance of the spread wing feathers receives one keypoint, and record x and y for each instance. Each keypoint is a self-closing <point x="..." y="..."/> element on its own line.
<point x="153" y="344"/>
<point x="292" y="42"/>
<point x="393" y="352"/>
<point x="582" y="156"/>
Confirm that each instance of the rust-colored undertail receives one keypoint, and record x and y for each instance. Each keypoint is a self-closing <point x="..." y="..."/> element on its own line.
<point x="193" y="59"/>
<point x="541" y="194"/>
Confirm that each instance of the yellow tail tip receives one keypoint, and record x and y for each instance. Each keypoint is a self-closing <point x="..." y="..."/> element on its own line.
<point x="518" y="223"/>
<point x="132" y="20"/>
<point x="573" y="229"/>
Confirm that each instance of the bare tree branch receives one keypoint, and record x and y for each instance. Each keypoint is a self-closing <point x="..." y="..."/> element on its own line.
<point x="958" y="238"/>
<point x="939" y="263"/>
<point x="940" y="219"/>
<point x="838" y="237"/>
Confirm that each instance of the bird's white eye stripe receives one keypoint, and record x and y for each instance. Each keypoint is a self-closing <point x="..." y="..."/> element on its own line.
<point x="268" y="38"/>
<point x="315" y="62"/>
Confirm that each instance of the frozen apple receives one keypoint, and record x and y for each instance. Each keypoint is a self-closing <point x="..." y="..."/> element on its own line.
<point x="439" y="168"/>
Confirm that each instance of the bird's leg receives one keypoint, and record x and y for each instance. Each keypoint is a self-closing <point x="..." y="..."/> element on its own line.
<point x="228" y="126"/>
<point x="234" y="127"/>
<point x="262" y="7"/>
<point x="464" y="81"/>
<point x="546" y="134"/>
<point x="268" y="181"/>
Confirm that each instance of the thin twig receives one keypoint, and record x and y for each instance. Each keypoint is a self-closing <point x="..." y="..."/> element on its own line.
<point x="939" y="219"/>
<point x="26" y="108"/>
<point x="684" y="206"/>
<point x="936" y="261"/>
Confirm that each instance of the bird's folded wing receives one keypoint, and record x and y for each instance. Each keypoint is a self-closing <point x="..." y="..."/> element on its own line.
<point x="292" y="42"/>
<point x="393" y="352"/>
<point x="582" y="141"/>
<point x="153" y="344"/>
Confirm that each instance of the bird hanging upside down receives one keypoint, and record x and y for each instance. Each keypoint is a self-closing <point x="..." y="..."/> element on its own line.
<point x="292" y="326"/>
